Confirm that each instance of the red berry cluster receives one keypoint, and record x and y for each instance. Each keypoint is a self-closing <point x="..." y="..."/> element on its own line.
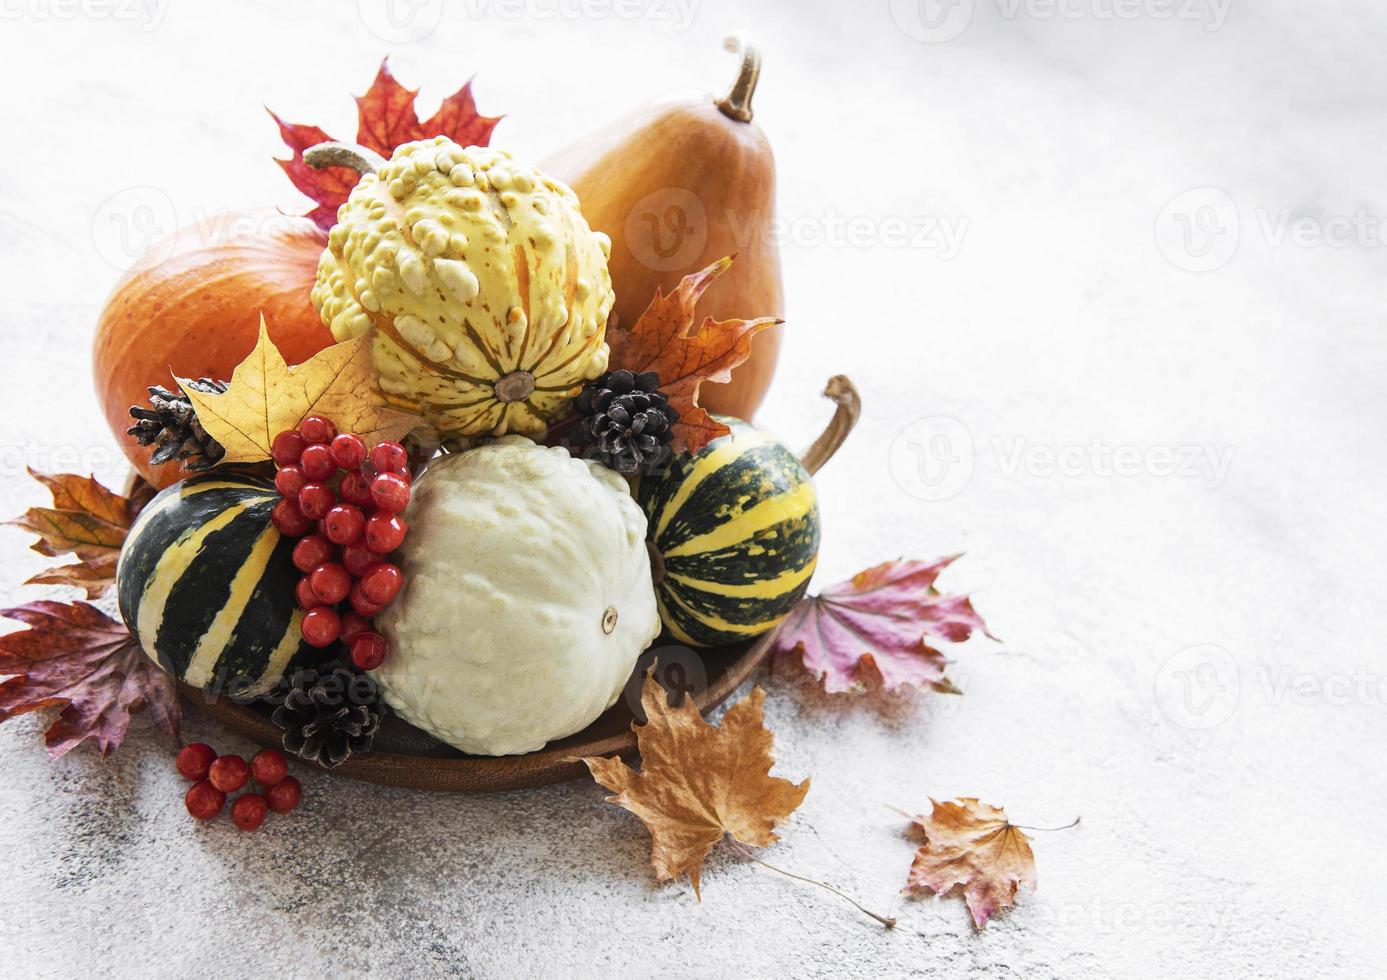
<point x="214" y="776"/>
<point x="347" y="517"/>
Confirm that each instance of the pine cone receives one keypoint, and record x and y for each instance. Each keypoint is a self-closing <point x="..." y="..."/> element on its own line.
<point x="627" y="423"/>
<point x="171" y="426"/>
<point x="328" y="713"/>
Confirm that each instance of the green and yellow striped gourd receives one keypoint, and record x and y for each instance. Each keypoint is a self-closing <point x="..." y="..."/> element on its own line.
<point x="736" y="529"/>
<point x="206" y="582"/>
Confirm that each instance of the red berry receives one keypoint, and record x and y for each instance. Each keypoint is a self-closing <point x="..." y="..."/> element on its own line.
<point x="361" y="605"/>
<point x="287" y="448"/>
<point x="369" y="650"/>
<point x="229" y="773"/>
<point x="390" y="492"/>
<point x="357" y="558"/>
<point x="194" y="759"/>
<point x="315" y="500"/>
<point x="284" y="795"/>
<point x="317" y="463"/>
<point x="389" y="457"/>
<point x="385" y="532"/>
<point x="330" y="583"/>
<point x="289" y="481"/>
<point x="312" y="551"/>
<point x="321" y="626"/>
<point x="269" y="767"/>
<point x="317" y="430"/>
<point x="356" y="489"/>
<point x="382" y="582"/>
<point x="290" y="520"/>
<point x="353" y="625"/>
<point x="349" y="451"/>
<point x="249" y="811"/>
<point x="304" y="594"/>
<point x="344" y="524"/>
<point x="204" y="801"/>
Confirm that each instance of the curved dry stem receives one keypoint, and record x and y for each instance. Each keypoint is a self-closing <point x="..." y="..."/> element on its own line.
<point x="736" y="104"/>
<point x="349" y="155"/>
<point x="844" y="394"/>
<point x="885" y="920"/>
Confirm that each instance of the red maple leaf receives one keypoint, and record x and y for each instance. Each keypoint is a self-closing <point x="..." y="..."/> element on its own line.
<point x="385" y="119"/>
<point x="663" y="340"/>
<point x="870" y="631"/>
<point x="75" y="657"/>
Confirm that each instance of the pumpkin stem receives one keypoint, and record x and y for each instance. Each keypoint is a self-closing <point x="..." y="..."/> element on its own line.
<point x="349" y="155"/>
<point x="736" y="104"/>
<point x="849" y="403"/>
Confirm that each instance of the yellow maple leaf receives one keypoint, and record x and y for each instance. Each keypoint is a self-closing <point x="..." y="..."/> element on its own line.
<point x="267" y="396"/>
<point x="698" y="782"/>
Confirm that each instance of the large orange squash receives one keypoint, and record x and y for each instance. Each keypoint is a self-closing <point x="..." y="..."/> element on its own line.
<point x="193" y="304"/>
<point x="677" y="185"/>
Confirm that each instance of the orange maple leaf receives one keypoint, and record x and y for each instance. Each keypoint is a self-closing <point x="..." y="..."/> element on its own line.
<point x="663" y="341"/>
<point x="698" y="782"/>
<point x="972" y="846"/>
<point x="86" y="520"/>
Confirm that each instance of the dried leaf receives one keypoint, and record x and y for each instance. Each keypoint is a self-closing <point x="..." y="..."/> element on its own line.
<point x="385" y="119"/>
<point x="972" y="846"/>
<point x="869" y="632"/>
<point x="86" y="520"/>
<point x="662" y="341"/>
<point x="75" y="657"/>
<point x="266" y="396"/>
<point x="698" y="782"/>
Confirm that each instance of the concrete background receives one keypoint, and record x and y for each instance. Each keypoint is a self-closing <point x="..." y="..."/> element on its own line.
<point x="1140" y="385"/>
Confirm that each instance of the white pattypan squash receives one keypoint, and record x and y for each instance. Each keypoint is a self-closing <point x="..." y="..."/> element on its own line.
<point x="527" y="598"/>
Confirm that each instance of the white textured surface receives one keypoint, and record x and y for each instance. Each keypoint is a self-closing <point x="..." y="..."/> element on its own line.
<point x="1249" y="849"/>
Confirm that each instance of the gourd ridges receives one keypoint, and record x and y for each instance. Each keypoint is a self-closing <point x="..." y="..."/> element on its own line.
<point x="469" y="265"/>
<point x="737" y="526"/>
<point x="205" y="572"/>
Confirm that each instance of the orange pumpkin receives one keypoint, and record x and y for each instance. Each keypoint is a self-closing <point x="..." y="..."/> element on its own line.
<point x="192" y="305"/>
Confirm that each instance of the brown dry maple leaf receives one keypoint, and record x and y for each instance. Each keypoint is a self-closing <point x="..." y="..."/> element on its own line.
<point x="698" y="782"/>
<point x="870" y="631"/>
<point x="86" y="520"/>
<point x="972" y="846"/>
<point x="75" y="657"/>
<point x="663" y="341"/>
<point x="385" y="119"/>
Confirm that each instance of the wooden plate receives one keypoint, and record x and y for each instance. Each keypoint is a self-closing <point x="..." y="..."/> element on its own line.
<point x="405" y="756"/>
